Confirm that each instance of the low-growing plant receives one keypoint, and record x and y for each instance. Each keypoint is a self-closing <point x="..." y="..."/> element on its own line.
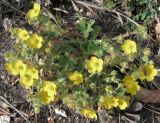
<point x="84" y="70"/>
<point x="143" y="10"/>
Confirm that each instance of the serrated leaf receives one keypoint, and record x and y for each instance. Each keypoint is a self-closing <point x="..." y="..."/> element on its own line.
<point x="85" y="27"/>
<point x="92" y="47"/>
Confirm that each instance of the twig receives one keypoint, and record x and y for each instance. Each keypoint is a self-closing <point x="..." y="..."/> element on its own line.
<point x="119" y="118"/>
<point x="35" y="118"/>
<point x="92" y="5"/>
<point x="127" y="18"/>
<point x="4" y="1"/>
<point x="90" y="9"/>
<point x="153" y="121"/>
<point x="74" y="6"/>
<point x="153" y="107"/>
<point x="152" y="110"/>
<point x="2" y="98"/>
<point x="120" y="19"/>
<point x="4" y="111"/>
<point x="51" y="15"/>
<point x="58" y="9"/>
<point x="102" y="8"/>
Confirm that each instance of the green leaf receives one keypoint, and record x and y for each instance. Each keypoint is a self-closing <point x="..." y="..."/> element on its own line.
<point x="49" y="34"/>
<point x="84" y="46"/>
<point x="85" y="27"/>
<point x="92" y="47"/>
<point x="142" y="2"/>
<point x="143" y="16"/>
<point x="63" y="61"/>
<point x="110" y="4"/>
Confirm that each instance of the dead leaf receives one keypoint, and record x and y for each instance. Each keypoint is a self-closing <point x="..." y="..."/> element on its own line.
<point x="133" y="117"/>
<point x="50" y="120"/>
<point x="127" y="120"/>
<point x="60" y="112"/>
<point x="148" y="96"/>
<point x="137" y="106"/>
<point x="7" y="24"/>
<point x="157" y="29"/>
<point x="157" y="118"/>
<point x="104" y="117"/>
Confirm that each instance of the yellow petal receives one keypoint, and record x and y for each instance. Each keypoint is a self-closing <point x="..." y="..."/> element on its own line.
<point x="155" y="72"/>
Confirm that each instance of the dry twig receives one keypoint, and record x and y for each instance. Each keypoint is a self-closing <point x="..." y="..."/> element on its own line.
<point x="8" y="4"/>
<point x="3" y="99"/>
<point x="111" y="11"/>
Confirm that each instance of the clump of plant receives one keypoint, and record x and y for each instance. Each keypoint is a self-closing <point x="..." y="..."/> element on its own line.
<point x="143" y="10"/>
<point x="86" y="71"/>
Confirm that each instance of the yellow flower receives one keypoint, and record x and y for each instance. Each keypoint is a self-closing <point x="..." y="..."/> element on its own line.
<point x="8" y="66"/>
<point x="132" y="88"/>
<point x="115" y="102"/>
<point x="27" y="74"/>
<point x="32" y="72"/>
<point x="94" y="65"/>
<point x="90" y="113"/>
<point x="35" y="41"/>
<point x="147" y="72"/>
<point x="131" y="85"/>
<point x="15" y="68"/>
<point x="129" y="46"/>
<point x="19" y="66"/>
<point x="22" y="34"/>
<point x="76" y="77"/>
<point x="47" y="92"/>
<point x="123" y="102"/>
<point x="108" y="102"/>
<point x="33" y="13"/>
<point x="128" y="79"/>
<point x="26" y="81"/>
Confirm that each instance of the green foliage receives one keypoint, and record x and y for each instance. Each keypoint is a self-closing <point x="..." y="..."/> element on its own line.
<point x="85" y="27"/>
<point x="143" y="10"/>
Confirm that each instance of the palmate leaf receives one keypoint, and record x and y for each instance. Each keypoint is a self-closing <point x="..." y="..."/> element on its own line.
<point x="85" y="27"/>
<point x="81" y="97"/>
<point x="90" y="47"/>
<point x="64" y="59"/>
